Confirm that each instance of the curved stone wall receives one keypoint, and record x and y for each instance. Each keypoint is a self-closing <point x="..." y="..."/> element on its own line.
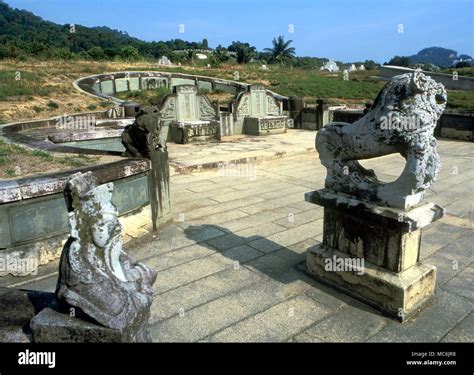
<point x="107" y="85"/>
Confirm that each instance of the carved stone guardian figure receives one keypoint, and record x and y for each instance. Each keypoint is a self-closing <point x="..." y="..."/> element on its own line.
<point x="95" y="273"/>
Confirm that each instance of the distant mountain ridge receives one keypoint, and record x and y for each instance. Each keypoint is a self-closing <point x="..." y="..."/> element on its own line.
<point x="442" y="57"/>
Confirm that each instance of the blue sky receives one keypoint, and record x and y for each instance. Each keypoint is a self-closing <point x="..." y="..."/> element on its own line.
<point x="339" y="29"/>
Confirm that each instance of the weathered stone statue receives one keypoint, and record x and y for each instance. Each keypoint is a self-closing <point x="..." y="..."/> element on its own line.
<point x="146" y="137"/>
<point x="95" y="274"/>
<point x="402" y="120"/>
<point x="379" y="224"/>
<point x="144" y="134"/>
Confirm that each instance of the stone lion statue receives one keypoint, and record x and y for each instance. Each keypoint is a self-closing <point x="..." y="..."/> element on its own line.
<point x="401" y="120"/>
<point x="145" y="134"/>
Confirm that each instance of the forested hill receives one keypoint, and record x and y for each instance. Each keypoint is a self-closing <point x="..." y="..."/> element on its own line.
<point x="22" y="32"/>
<point x="439" y="56"/>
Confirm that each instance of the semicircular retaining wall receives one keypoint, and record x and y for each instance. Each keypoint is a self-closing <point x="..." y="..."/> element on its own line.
<point x="107" y="85"/>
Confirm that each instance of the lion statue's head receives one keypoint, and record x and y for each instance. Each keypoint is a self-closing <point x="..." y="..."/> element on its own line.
<point x="401" y="120"/>
<point x="409" y="103"/>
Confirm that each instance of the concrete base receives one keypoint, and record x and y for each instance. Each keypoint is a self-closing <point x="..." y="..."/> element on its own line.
<point x="398" y="295"/>
<point x="52" y="326"/>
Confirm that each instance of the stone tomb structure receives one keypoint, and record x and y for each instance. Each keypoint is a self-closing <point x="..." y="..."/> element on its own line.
<point x="189" y="116"/>
<point x="372" y="230"/>
<point x="257" y="112"/>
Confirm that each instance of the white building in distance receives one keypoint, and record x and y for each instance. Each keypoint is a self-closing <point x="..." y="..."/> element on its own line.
<point x="163" y="60"/>
<point x="330" y="66"/>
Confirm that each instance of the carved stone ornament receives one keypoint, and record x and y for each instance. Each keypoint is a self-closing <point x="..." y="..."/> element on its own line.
<point x="95" y="274"/>
<point x="206" y="109"/>
<point x="272" y="106"/>
<point x="243" y="106"/>
<point x="169" y="108"/>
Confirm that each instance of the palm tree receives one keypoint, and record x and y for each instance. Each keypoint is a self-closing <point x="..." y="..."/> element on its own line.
<point x="281" y="52"/>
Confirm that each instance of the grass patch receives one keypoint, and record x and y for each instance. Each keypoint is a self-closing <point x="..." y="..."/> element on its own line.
<point x="466" y="72"/>
<point x="52" y="105"/>
<point x="10" y="172"/>
<point x="16" y="161"/>
<point x="145" y="96"/>
<point x="42" y="154"/>
<point x="10" y="149"/>
<point x="76" y="161"/>
<point x="462" y="101"/>
<point x="19" y="83"/>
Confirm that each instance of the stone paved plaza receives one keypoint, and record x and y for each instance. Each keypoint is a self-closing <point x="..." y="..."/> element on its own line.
<point x="238" y="149"/>
<point x="231" y="266"/>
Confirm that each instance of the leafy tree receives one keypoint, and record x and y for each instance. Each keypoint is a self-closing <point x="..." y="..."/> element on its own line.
<point x="61" y="54"/>
<point x="462" y="64"/>
<point x="97" y="53"/>
<point x="191" y="56"/>
<point x="244" y="54"/>
<point x="281" y="52"/>
<point x="129" y="53"/>
<point x="370" y="64"/>
<point x="399" y="61"/>
<point x="221" y="54"/>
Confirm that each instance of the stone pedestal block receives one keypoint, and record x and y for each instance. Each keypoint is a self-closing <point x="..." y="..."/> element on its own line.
<point x="372" y="252"/>
<point x="398" y="295"/>
<point x="53" y="326"/>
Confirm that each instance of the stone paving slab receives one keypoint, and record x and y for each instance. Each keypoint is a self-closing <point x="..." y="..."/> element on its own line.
<point x="463" y="332"/>
<point x="432" y="325"/>
<point x="278" y="323"/>
<point x="230" y="266"/>
<point x="350" y="323"/>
